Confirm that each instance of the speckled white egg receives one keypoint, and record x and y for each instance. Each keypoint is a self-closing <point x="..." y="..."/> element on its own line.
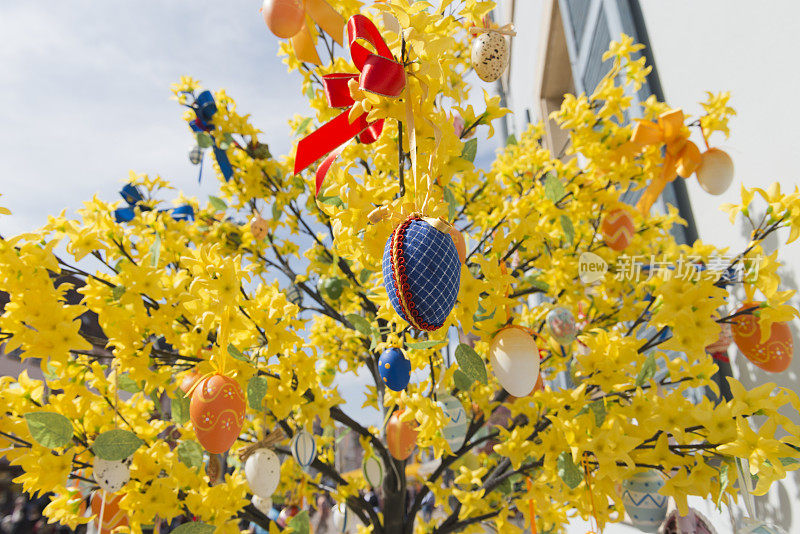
<point x="489" y="56"/>
<point x="263" y="472"/>
<point x="111" y="475"/>
<point x="262" y="504"/>
<point x="715" y="172"/>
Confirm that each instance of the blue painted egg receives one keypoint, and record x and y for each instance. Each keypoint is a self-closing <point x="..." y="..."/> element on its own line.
<point x="645" y="506"/>
<point x="395" y="369"/>
<point x="421" y="273"/>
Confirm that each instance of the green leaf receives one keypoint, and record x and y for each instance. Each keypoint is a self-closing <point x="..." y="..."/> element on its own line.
<point x="553" y="188"/>
<point x="360" y="324"/>
<point x="428" y="343"/>
<point x="363" y="276"/>
<point x="332" y="287"/>
<point x="511" y="140"/>
<point x="196" y="527"/>
<point x="115" y="445"/>
<point x="331" y="201"/>
<point x="301" y="128"/>
<point x="236" y="354"/>
<point x="461" y="380"/>
<point x="227" y="141"/>
<point x="155" y="251"/>
<point x="50" y="372"/>
<point x="299" y="523"/>
<point x="217" y="203"/>
<point x="117" y="292"/>
<point x="204" y="140"/>
<point x="451" y="203"/>
<point x="647" y="371"/>
<point x="256" y="389"/>
<point x="310" y="91"/>
<point x="470" y="149"/>
<point x="180" y="408"/>
<point x="724" y="481"/>
<point x="276" y="211"/>
<point x="569" y="230"/>
<point x="472" y="364"/>
<point x="568" y="471"/>
<point x="190" y="453"/>
<point x="126" y="383"/>
<point x="599" y="409"/>
<point x="49" y="429"/>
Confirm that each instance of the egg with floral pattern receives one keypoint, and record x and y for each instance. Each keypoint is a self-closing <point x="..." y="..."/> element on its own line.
<point x="489" y="56"/>
<point x="217" y="412"/>
<point x="773" y="355"/>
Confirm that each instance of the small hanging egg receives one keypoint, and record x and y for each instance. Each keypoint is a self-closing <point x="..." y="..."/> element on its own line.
<point x="460" y="243"/>
<point x="645" y="506"/>
<point x="258" y="227"/>
<point x="515" y="360"/>
<point x="489" y="56"/>
<point x="188" y="381"/>
<point x="113" y="516"/>
<point x="756" y="526"/>
<point x="326" y="372"/>
<point x="287" y="514"/>
<point x="217" y="412"/>
<point x="421" y="272"/>
<point x="294" y="295"/>
<point x="456" y="421"/>
<point x="262" y="469"/>
<point x="196" y="155"/>
<point x="340" y="517"/>
<point x="618" y="229"/>
<point x="304" y="449"/>
<point x="775" y="354"/>
<point x="401" y="437"/>
<point x="262" y="504"/>
<point x="715" y="173"/>
<point x="395" y="369"/>
<point x="372" y="468"/>
<point x="111" y="476"/>
<point x="214" y="469"/>
<point x="562" y="326"/>
<point x="284" y="18"/>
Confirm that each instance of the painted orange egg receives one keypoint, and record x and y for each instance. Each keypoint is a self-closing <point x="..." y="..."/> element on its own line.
<point x="775" y="354"/>
<point x="401" y="437"/>
<point x="617" y="229"/>
<point x="217" y="412"/>
<point x="113" y="517"/>
<point x="460" y="243"/>
<point x="284" y="18"/>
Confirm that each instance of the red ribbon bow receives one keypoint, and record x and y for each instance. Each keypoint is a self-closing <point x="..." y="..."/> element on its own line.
<point x="380" y="74"/>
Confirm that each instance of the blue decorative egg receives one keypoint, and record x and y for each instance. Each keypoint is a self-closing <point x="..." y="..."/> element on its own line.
<point x="395" y="369"/>
<point x="562" y="326"/>
<point x="304" y="449"/>
<point x="456" y="421"/>
<point x="421" y="272"/>
<point x="645" y="506"/>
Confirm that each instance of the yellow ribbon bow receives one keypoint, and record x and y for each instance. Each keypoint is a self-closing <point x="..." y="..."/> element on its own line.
<point x="327" y="18"/>
<point x="682" y="156"/>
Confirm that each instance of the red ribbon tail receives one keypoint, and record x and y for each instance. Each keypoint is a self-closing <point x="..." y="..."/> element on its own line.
<point x="323" y="168"/>
<point x="326" y="138"/>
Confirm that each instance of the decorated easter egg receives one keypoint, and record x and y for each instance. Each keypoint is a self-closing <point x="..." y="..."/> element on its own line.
<point x="196" y="155"/>
<point x="460" y="243"/>
<point x="304" y="448"/>
<point x="692" y="523"/>
<point x="294" y="295"/>
<point x="214" y="469"/>
<point x="340" y="517"/>
<point x="113" y="517"/>
<point x="617" y="229"/>
<point x="259" y="227"/>
<point x="775" y="354"/>
<point x="723" y="341"/>
<point x="188" y="380"/>
<point x="262" y="504"/>
<point x="326" y="372"/>
<point x="562" y="326"/>
<point x="715" y="173"/>
<point x="456" y="421"/>
<point x="401" y="436"/>
<point x="515" y="360"/>
<point x="217" y="412"/>
<point x="755" y="526"/>
<point x="645" y="506"/>
<point x="111" y="475"/>
<point x="262" y="469"/>
<point x="287" y="514"/>
<point x="394" y="368"/>
<point x="372" y="468"/>
<point x="421" y="272"/>
<point x="489" y="56"/>
<point x="284" y="18"/>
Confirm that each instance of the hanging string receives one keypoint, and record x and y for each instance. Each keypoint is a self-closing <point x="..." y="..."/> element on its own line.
<point x="224" y="333"/>
<point x="585" y="462"/>
<point x="116" y="394"/>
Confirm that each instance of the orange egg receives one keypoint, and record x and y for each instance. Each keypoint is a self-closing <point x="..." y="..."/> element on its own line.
<point x="401" y="437"/>
<point x="189" y="380"/>
<point x="113" y="517"/>
<point x="775" y="354"/>
<point x="284" y="18"/>
<point x="460" y="243"/>
<point x="617" y="229"/>
<point x="217" y="412"/>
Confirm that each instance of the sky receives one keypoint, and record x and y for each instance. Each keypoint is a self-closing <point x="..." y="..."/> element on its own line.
<point x="86" y="87"/>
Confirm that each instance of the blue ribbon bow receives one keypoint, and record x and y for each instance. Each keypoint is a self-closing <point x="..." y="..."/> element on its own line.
<point x="133" y="196"/>
<point x="204" y="109"/>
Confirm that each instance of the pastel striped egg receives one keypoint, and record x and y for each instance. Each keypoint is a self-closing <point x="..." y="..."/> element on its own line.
<point x="304" y="448"/>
